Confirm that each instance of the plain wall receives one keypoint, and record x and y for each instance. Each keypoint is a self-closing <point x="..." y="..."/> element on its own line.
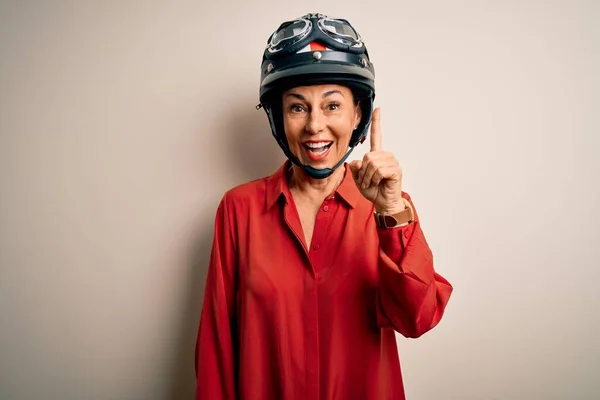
<point x="123" y="123"/>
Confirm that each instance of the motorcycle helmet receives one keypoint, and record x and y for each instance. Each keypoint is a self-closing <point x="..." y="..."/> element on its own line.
<point x="310" y="50"/>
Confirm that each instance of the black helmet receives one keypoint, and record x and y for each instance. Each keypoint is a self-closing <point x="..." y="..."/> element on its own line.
<point x="316" y="49"/>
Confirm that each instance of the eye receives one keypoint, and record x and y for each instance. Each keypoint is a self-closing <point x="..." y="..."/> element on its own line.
<point x="296" y="108"/>
<point x="333" y="106"/>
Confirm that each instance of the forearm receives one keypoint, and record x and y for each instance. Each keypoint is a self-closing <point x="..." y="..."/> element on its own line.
<point x="412" y="295"/>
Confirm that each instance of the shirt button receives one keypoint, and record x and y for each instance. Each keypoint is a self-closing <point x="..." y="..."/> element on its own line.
<point x="406" y="233"/>
<point x="326" y="208"/>
<point x="316" y="247"/>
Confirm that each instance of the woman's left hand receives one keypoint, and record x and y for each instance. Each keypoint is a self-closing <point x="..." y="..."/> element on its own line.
<point x="379" y="176"/>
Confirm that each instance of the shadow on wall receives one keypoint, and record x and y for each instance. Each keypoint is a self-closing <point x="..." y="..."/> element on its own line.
<point x="254" y="154"/>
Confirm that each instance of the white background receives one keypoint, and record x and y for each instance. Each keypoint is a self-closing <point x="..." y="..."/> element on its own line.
<point x="123" y="123"/>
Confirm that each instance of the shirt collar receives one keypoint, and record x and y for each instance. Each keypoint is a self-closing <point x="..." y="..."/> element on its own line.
<point x="277" y="187"/>
<point x="347" y="189"/>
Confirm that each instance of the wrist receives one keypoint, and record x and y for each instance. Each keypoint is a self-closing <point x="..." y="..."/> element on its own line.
<point x="391" y="210"/>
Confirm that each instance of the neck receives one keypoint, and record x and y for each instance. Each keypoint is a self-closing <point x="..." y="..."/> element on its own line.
<point x="315" y="189"/>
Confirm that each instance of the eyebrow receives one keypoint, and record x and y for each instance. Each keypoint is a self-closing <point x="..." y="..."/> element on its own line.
<point x="326" y="94"/>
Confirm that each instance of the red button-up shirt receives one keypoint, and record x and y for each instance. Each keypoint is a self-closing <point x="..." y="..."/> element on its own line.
<point x="282" y="321"/>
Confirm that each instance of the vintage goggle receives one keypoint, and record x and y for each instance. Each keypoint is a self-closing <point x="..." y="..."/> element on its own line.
<point x="333" y="31"/>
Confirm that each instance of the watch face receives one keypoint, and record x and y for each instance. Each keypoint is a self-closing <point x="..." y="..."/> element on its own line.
<point x="390" y="221"/>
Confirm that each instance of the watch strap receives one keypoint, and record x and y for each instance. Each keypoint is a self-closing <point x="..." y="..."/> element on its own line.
<point x="405" y="216"/>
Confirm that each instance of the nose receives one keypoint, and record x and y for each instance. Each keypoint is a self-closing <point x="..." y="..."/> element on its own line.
<point x="315" y="122"/>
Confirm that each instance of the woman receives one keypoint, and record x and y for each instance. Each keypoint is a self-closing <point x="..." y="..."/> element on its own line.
<point x="314" y="267"/>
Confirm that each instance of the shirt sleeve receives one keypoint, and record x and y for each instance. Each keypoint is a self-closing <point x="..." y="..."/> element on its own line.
<point x="412" y="295"/>
<point x="214" y="357"/>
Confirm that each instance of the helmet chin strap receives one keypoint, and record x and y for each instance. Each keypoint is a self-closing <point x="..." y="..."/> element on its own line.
<point x="315" y="173"/>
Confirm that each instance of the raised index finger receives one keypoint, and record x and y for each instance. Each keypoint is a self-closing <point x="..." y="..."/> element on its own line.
<point x="375" y="131"/>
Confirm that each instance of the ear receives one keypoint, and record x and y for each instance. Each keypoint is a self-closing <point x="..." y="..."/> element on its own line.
<point x="357" y="114"/>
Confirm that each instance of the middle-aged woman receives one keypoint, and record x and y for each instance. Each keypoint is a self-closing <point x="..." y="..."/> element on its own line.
<point x="314" y="267"/>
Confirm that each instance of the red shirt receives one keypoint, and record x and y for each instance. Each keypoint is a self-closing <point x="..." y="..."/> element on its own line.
<point x="282" y="321"/>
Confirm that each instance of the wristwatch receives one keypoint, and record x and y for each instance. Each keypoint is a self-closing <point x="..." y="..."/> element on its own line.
<point x="405" y="216"/>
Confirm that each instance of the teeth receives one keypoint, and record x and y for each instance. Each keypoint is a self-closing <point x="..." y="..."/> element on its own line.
<point x="316" y="145"/>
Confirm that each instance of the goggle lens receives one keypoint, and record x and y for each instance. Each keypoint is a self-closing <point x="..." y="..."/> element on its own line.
<point x="295" y="29"/>
<point x="292" y="32"/>
<point x="339" y="28"/>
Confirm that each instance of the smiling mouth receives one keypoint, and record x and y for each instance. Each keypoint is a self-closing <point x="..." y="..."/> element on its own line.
<point x="317" y="148"/>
